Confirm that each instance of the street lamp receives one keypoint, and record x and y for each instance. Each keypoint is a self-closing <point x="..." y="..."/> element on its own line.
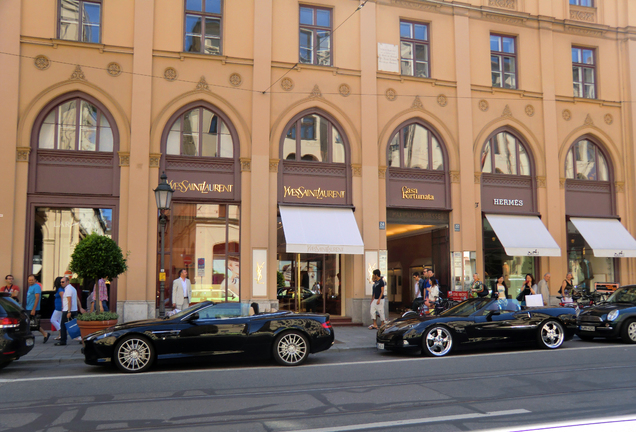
<point x="163" y="195"/>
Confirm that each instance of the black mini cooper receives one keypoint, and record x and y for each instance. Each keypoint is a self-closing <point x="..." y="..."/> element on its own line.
<point x="611" y="319"/>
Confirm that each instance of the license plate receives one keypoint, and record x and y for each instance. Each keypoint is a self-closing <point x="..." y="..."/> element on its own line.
<point x="380" y="345"/>
<point x="587" y="328"/>
<point x="29" y="342"/>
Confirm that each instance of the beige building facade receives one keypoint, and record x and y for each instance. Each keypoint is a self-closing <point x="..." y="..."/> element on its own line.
<point x="446" y="130"/>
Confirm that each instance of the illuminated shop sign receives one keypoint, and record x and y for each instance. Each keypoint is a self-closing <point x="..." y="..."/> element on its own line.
<point x="203" y="187"/>
<point x="319" y="193"/>
<point x="508" y="202"/>
<point x="412" y="194"/>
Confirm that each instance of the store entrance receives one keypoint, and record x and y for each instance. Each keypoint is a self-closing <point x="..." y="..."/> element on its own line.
<point x="415" y="240"/>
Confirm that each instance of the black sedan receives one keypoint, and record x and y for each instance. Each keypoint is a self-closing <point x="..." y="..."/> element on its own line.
<point x="211" y="329"/>
<point x="479" y="323"/>
<point x="611" y="319"/>
<point x="16" y="339"/>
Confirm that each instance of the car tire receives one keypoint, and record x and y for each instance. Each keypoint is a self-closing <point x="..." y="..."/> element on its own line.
<point x="628" y="332"/>
<point x="5" y="363"/>
<point x="551" y="335"/>
<point x="437" y="342"/>
<point x="586" y="338"/>
<point x="134" y="354"/>
<point x="291" y="349"/>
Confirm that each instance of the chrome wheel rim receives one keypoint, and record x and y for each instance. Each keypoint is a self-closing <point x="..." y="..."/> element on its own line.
<point x="552" y="334"/>
<point x="631" y="331"/>
<point x="292" y="348"/>
<point x="439" y="341"/>
<point x="134" y="354"/>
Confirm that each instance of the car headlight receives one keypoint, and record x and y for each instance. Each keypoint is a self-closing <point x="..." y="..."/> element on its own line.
<point x="613" y="315"/>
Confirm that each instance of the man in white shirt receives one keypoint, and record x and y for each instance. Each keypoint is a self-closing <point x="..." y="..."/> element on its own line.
<point x="69" y="308"/>
<point x="544" y="290"/>
<point x="181" y="291"/>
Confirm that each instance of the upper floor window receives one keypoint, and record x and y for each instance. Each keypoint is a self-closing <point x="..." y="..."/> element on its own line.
<point x="589" y="3"/>
<point x="503" y="61"/>
<point x="584" y="73"/>
<point x="414" y="49"/>
<point x="414" y="146"/>
<point x="313" y="138"/>
<point x="80" y="20"/>
<point x="505" y="154"/>
<point x="76" y="125"/>
<point x="203" y="26"/>
<point x="315" y="35"/>
<point x="200" y="132"/>
<point x="585" y="161"/>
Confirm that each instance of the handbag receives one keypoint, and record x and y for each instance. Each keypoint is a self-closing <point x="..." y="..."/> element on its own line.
<point x="35" y="321"/>
<point x="72" y="328"/>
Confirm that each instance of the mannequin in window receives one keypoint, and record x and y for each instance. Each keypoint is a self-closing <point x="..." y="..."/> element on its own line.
<point x="587" y="271"/>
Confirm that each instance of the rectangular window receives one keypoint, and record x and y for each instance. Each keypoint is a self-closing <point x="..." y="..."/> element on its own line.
<point x="583" y="72"/>
<point x="503" y="61"/>
<point x="203" y="20"/>
<point x="588" y="3"/>
<point x="80" y="20"/>
<point x="314" y="40"/>
<point x="414" y="49"/>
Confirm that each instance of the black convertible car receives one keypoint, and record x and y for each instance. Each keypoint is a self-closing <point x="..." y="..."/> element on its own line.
<point x="479" y="322"/>
<point x="611" y="319"/>
<point x="211" y="329"/>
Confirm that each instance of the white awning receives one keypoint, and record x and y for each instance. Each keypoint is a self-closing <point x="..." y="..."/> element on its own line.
<point x="606" y="237"/>
<point x="523" y="235"/>
<point x="321" y="230"/>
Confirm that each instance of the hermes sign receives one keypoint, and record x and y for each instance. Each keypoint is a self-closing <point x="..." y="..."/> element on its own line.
<point x="204" y="187"/>
<point x="507" y="202"/>
<point x="412" y="194"/>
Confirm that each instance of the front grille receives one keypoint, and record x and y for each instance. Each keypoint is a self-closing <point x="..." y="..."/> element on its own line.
<point x="590" y="319"/>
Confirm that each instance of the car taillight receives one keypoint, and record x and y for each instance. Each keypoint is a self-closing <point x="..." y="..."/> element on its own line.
<point x="326" y="325"/>
<point x="9" y="323"/>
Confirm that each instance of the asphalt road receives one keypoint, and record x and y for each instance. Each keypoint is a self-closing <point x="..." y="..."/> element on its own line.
<point x="333" y="391"/>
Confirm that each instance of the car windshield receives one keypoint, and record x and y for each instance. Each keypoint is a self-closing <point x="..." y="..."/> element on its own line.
<point x="225" y="310"/>
<point x="502" y="306"/>
<point x="623" y="295"/>
<point x="185" y="312"/>
<point x="467" y="307"/>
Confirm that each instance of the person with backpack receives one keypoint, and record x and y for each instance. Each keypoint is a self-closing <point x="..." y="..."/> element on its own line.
<point x="478" y="289"/>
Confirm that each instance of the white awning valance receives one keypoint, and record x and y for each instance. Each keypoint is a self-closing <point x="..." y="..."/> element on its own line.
<point x="606" y="237"/>
<point x="523" y="235"/>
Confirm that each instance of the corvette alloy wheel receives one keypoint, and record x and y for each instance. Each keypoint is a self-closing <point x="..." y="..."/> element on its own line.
<point x="437" y="342"/>
<point x="551" y="335"/>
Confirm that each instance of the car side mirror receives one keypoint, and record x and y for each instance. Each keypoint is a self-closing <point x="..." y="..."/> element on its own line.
<point x="491" y="314"/>
<point x="193" y="317"/>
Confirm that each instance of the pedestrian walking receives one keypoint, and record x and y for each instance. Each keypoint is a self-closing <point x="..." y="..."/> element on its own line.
<point x="69" y="308"/>
<point x="377" y="298"/>
<point x="103" y="296"/>
<point x="181" y="291"/>
<point x="34" y="294"/>
<point x="528" y="288"/>
<point x="419" y="292"/>
<point x="567" y="288"/>
<point x="56" y="318"/>
<point x="500" y="289"/>
<point x="477" y="288"/>
<point x="544" y="289"/>
<point x="10" y="288"/>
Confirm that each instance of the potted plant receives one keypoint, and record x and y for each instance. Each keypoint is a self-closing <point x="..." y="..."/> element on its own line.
<point x="96" y="257"/>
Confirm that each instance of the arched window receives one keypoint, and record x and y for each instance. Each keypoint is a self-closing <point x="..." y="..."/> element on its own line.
<point x="505" y="154"/>
<point x="585" y="161"/>
<point x="76" y="125"/>
<point x="414" y="146"/>
<point x="200" y="132"/>
<point x="313" y="138"/>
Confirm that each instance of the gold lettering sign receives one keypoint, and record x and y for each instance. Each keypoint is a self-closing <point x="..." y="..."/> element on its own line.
<point x="204" y="187"/>
<point x="411" y="194"/>
<point x="301" y="192"/>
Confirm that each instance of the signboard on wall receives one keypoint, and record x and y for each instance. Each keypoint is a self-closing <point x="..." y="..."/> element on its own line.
<point x="388" y="58"/>
<point x="370" y="264"/>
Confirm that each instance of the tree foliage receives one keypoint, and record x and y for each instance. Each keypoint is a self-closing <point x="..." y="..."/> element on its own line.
<point x="96" y="257"/>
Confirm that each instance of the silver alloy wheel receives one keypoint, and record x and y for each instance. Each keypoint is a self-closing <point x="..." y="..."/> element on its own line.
<point x="292" y="348"/>
<point x="438" y="341"/>
<point x="631" y="331"/>
<point x="552" y="334"/>
<point x="134" y="354"/>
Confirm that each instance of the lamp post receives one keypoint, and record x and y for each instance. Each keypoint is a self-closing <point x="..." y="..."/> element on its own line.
<point x="163" y="195"/>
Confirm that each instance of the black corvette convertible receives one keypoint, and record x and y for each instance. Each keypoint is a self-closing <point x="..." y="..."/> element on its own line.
<point x="479" y="322"/>
<point x="211" y="329"/>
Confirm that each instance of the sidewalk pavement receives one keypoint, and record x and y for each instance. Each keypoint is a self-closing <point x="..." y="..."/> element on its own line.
<point x="347" y="338"/>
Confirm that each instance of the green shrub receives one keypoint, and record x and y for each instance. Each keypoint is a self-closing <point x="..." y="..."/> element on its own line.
<point x="98" y="316"/>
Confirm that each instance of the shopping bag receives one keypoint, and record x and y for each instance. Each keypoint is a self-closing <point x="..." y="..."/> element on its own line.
<point x="72" y="328"/>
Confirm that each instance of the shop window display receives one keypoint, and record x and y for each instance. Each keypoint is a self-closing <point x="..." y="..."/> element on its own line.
<point x="585" y="267"/>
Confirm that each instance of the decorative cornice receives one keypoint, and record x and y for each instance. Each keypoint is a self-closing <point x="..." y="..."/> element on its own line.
<point x="504" y="4"/>
<point x="412" y="4"/>
<point x="619" y="186"/>
<point x="124" y="159"/>
<point x="356" y="170"/>
<point x="155" y="159"/>
<point x="273" y="165"/>
<point x="541" y="183"/>
<point x="22" y="154"/>
<point x="78" y="74"/>
<point x="202" y="85"/>
<point x="454" y="176"/>
<point x="382" y="172"/>
<point x="477" y="178"/>
<point x="583" y="13"/>
<point x="246" y="164"/>
<point x="503" y="18"/>
<point x="586" y="31"/>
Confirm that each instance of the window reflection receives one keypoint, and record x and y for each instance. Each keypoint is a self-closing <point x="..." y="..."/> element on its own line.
<point x="584" y="161"/>
<point x="313" y="138"/>
<point x="200" y="132"/>
<point x="414" y="146"/>
<point x="504" y="154"/>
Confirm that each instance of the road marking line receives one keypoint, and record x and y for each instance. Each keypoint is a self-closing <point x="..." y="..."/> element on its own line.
<point x="396" y="423"/>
